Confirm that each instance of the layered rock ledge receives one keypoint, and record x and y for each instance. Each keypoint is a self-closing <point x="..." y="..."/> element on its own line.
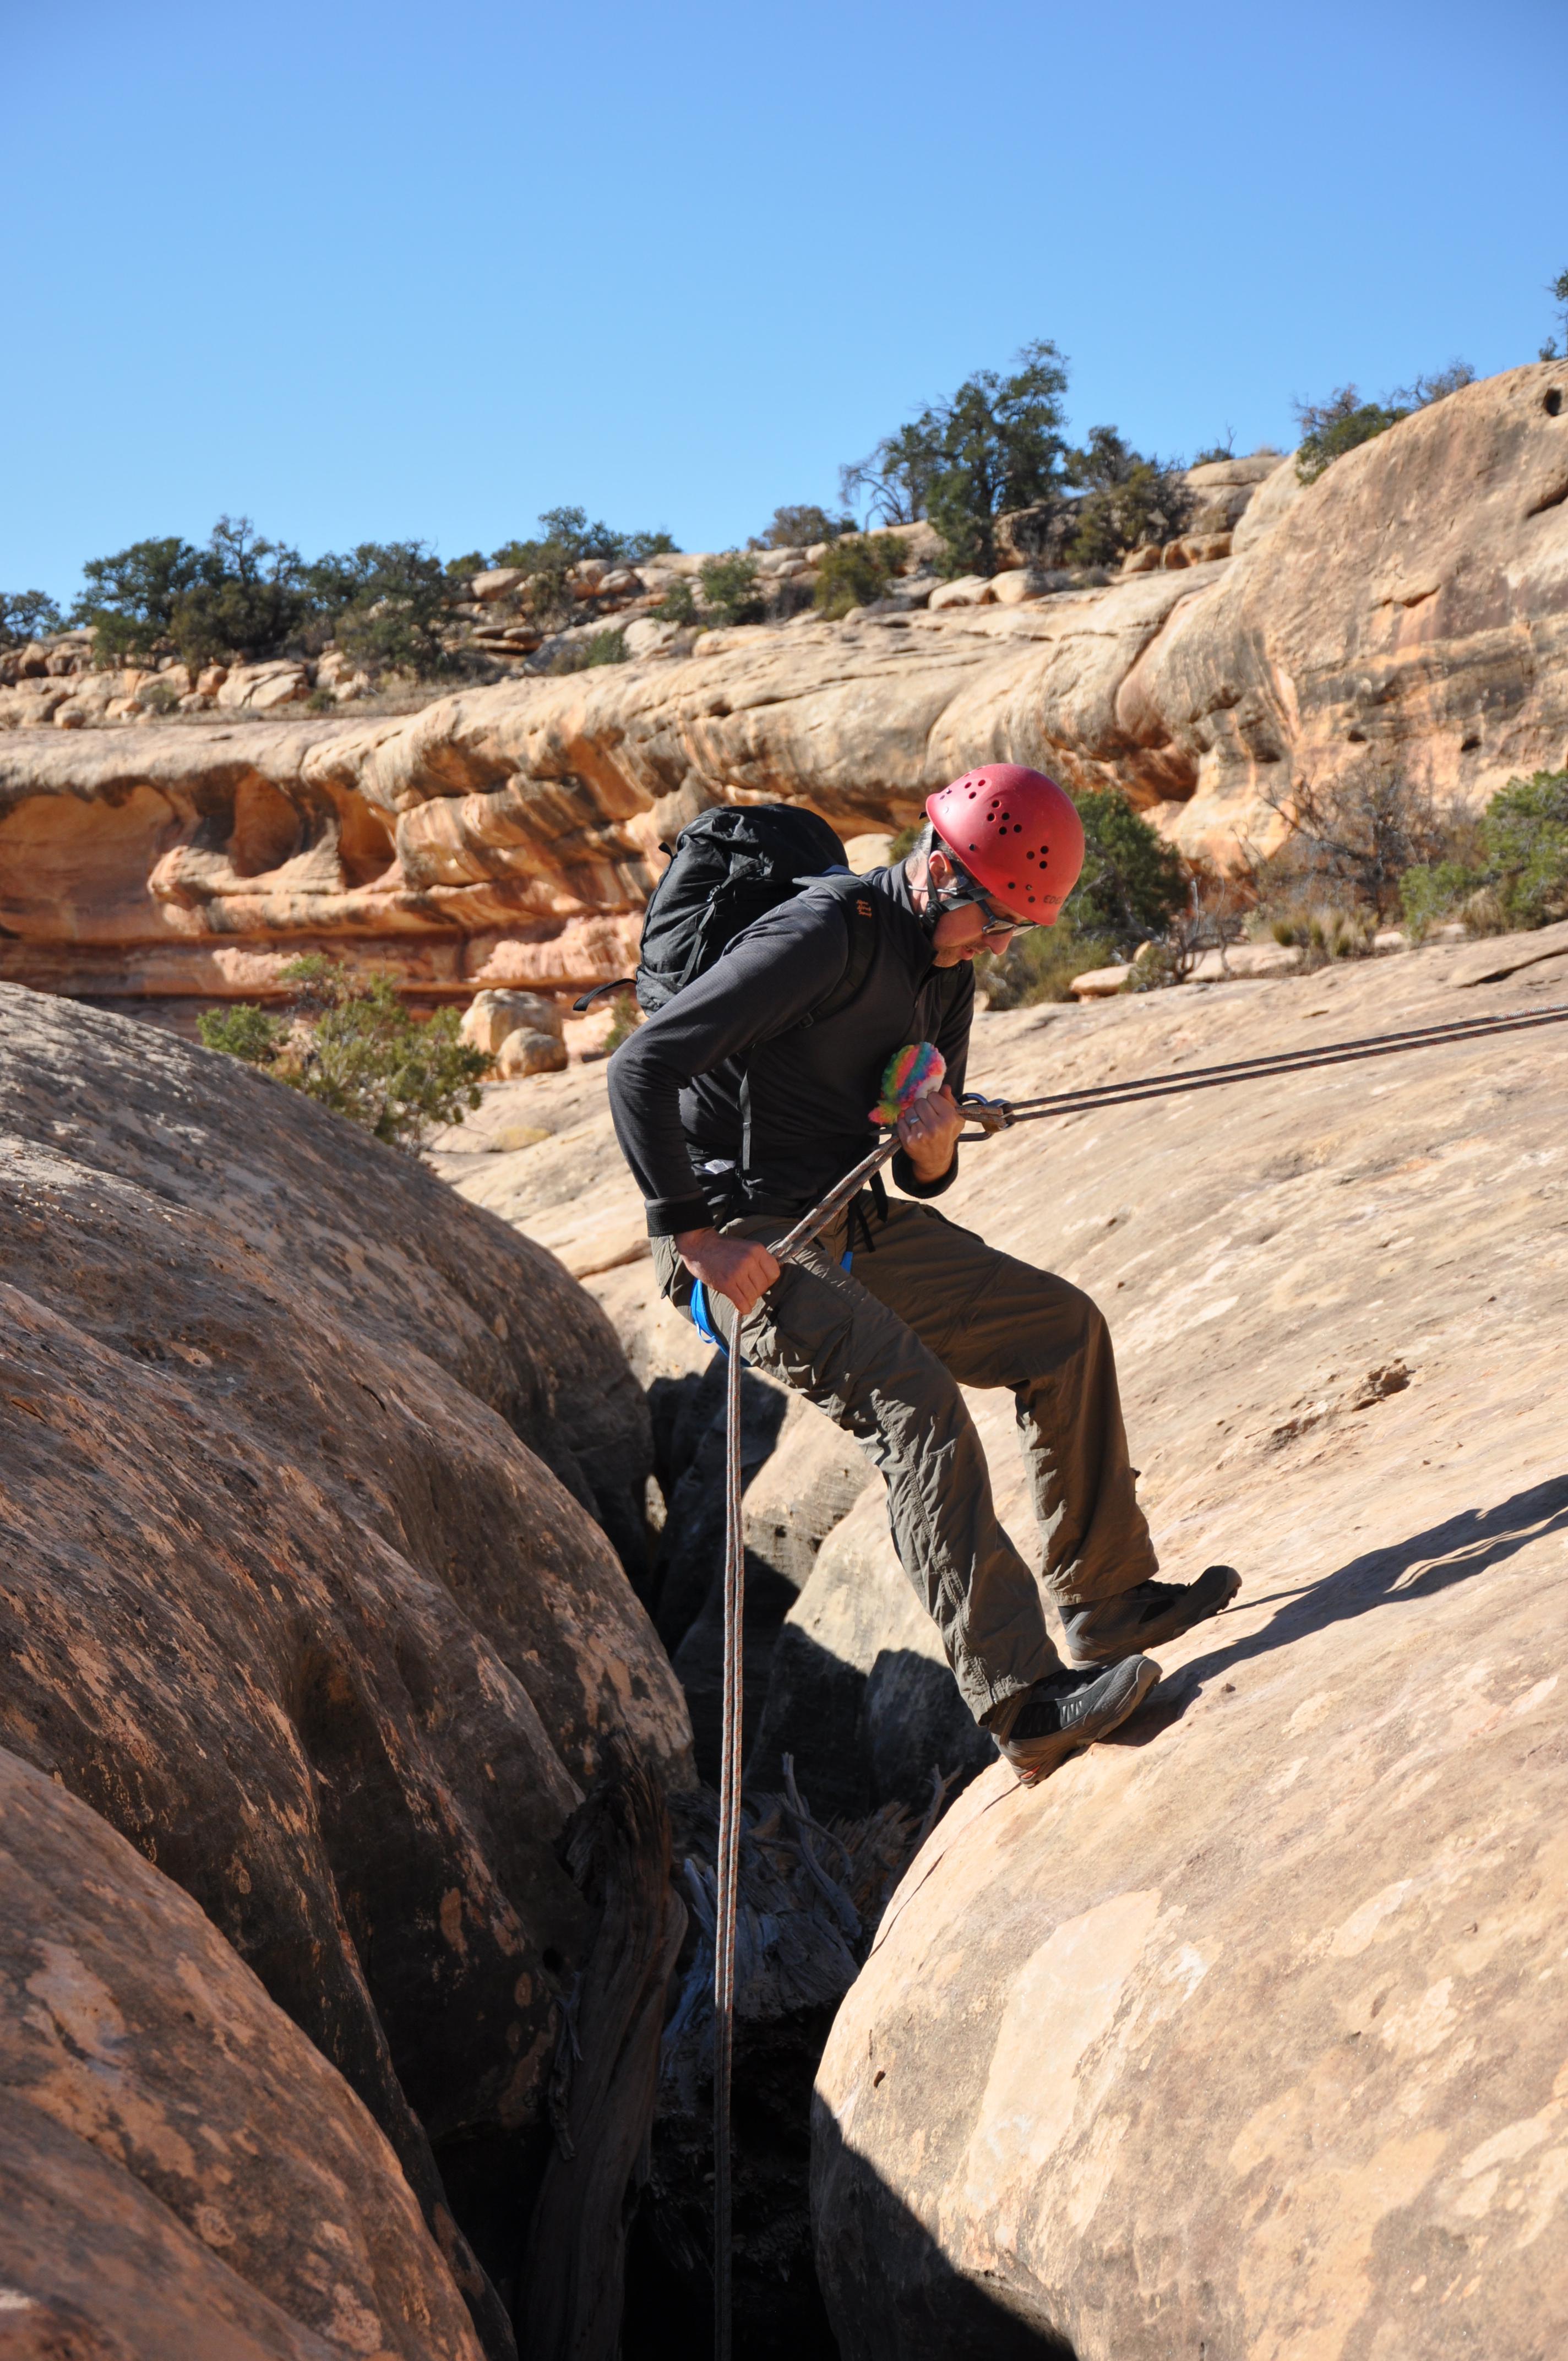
<point x="1408" y="611"/>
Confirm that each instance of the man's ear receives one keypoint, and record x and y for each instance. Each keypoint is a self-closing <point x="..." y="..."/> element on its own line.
<point x="938" y="868"/>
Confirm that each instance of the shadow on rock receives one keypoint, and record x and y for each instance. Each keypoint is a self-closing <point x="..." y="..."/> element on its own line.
<point x="861" y="1739"/>
<point x="890" y="2285"/>
<point x="1434" y="1560"/>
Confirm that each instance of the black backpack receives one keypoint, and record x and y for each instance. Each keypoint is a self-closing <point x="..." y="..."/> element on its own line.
<point x="729" y="867"/>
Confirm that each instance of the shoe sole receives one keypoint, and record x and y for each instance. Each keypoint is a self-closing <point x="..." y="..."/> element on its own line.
<point x="1035" y="1758"/>
<point x="1184" y="1615"/>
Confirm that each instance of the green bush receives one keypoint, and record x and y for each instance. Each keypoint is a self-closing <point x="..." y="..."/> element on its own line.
<point x="1128" y="499"/>
<point x="244" y="1031"/>
<point x="27" y="615"/>
<point x="565" y="540"/>
<point x="246" y="599"/>
<point x="1040" y="966"/>
<point x="678" y="604"/>
<point x="1433" y="892"/>
<point x="1518" y="878"/>
<point x="854" y="572"/>
<point x="1331" y="428"/>
<point x="628" y="1017"/>
<point x="605" y="647"/>
<point x="803" y="526"/>
<point x="1524" y="835"/>
<point x="353" y="1047"/>
<point x="732" y="592"/>
<point x="384" y="603"/>
<point x="130" y="601"/>
<point x="1133" y="884"/>
<point x="241" y="597"/>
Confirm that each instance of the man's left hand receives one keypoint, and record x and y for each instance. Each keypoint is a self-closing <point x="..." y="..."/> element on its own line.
<point x="928" y="1132"/>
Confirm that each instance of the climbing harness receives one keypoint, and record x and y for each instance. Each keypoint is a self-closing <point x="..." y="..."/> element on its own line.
<point x="912" y="1074"/>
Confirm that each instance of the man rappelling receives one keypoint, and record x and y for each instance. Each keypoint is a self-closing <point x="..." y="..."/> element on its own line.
<point x="776" y="1001"/>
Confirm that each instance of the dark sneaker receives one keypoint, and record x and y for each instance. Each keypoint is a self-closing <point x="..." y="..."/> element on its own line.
<point x="1146" y="1616"/>
<point x="1071" y="1709"/>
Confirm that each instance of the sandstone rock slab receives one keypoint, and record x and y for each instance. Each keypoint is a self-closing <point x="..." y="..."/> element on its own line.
<point x="1235" y="2034"/>
<point x="306" y="1587"/>
<point x="184" y="2173"/>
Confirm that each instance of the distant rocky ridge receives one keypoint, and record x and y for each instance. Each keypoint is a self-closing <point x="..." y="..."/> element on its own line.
<point x="1408" y="610"/>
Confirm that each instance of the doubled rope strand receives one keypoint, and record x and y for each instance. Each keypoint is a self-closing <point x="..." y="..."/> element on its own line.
<point x="1282" y="1061"/>
<point x="729" y="1862"/>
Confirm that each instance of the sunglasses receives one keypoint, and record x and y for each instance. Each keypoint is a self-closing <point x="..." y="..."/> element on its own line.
<point x="964" y="889"/>
<point x="998" y="925"/>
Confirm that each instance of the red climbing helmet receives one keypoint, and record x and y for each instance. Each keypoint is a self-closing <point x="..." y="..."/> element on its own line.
<point x="1016" y="833"/>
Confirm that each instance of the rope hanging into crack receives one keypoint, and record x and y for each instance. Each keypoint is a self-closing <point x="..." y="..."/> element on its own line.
<point x="729" y="1862"/>
<point x="916" y="1071"/>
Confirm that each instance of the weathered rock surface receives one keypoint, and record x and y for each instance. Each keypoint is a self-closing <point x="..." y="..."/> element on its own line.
<point x="1243" y="2035"/>
<point x="183" y="2172"/>
<point x="1408" y="608"/>
<point x="308" y="1474"/>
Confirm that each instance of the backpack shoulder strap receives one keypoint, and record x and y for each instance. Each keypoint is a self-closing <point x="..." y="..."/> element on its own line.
<point x="859" y="915"/>
<point x="858" y="905"/>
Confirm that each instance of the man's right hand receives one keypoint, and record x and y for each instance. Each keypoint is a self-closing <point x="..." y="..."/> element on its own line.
<point x="740" y="1269"/>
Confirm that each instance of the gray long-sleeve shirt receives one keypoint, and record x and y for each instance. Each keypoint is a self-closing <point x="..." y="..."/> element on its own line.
<point x="733" y="1045"/>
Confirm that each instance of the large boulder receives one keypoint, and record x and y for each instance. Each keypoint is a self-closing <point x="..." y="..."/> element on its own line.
<point x="1409" y="611"/>
<point x="1235" y="2036"/>
<point x="309" y="1471"/>
<point x="184" y="2171"/>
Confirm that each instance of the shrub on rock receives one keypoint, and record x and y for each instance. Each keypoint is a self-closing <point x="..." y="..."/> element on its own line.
<point x="357" y="1049"/>
<point x="854" y="572"/>
<point x="1520" y="877"/>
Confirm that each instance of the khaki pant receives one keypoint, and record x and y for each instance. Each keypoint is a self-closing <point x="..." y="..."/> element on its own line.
<point x="883" y="1352"/>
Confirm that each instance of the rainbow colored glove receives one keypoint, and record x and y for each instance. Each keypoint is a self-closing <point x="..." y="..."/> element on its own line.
<point x="916" y="1072"/>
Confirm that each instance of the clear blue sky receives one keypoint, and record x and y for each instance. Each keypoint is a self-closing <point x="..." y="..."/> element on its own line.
<point x="374" y="271"/>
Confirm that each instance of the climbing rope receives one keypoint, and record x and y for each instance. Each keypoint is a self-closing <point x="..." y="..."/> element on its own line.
<point x="728" y="1865"/>
<point x="1282" y="1061"/>
<point x="913" y="1073"/>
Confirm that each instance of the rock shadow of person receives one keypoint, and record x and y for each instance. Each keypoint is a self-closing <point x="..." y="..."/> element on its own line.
<point x="1459" y="1548"/>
